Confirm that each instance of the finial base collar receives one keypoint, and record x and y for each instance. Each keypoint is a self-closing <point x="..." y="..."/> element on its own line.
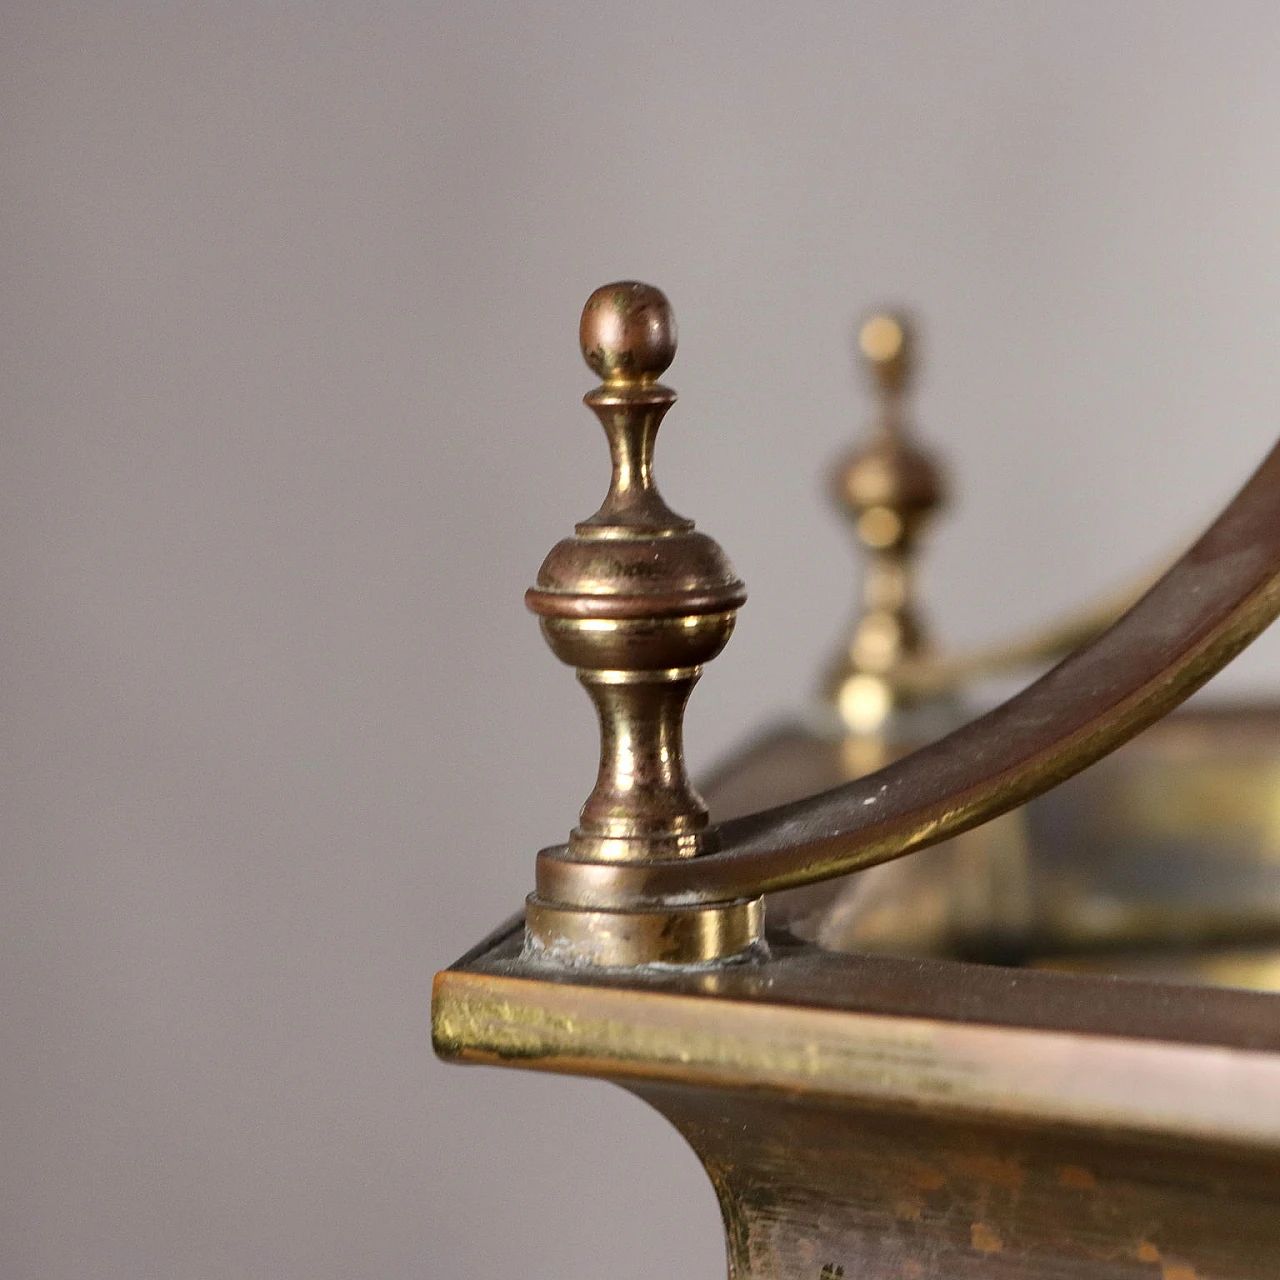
<point x="688" y="935"/>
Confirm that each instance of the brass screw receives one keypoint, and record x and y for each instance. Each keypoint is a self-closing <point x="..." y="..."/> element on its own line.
<point x="637" y="600"/>
<point x="889" y="488"/>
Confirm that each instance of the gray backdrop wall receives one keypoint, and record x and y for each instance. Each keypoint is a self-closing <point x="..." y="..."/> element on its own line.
<point x="290" y="415"/>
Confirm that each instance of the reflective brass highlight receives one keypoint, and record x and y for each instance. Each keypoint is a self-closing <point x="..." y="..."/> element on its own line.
<point x="637" y="600"/>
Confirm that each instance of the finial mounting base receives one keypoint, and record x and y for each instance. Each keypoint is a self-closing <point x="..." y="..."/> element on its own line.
<point x="619" y="939"/>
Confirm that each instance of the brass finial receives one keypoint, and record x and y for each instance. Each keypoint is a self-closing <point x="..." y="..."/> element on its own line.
<point x="889" y="487"/>
<point x="637" y="600"/>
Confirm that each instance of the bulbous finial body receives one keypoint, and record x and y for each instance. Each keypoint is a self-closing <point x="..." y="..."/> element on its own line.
<point x="637" y="600"/>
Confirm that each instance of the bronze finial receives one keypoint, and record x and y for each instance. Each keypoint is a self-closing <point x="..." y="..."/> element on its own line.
<point x="889" y="487"/>
<point x="637" y="600"/>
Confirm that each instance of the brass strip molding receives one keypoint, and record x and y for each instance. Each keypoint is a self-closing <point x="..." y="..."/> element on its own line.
<point x="1201" y="1092"/>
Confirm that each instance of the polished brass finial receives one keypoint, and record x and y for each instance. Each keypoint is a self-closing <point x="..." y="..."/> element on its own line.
<point x="889" y="487"/>
<point x="637" y="600"/>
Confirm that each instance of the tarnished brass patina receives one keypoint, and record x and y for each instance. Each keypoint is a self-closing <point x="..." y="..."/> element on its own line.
<point x="898" y="1116"/>
<point x="1221" y="594"/>
<point x="637" y="600"/>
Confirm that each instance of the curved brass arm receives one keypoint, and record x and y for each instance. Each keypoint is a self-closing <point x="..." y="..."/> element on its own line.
<point x="1190" y="624"/>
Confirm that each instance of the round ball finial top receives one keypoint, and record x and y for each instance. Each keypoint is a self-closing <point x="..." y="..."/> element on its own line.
<point x="628" y="332"/>
<point x="885" y="340"/>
